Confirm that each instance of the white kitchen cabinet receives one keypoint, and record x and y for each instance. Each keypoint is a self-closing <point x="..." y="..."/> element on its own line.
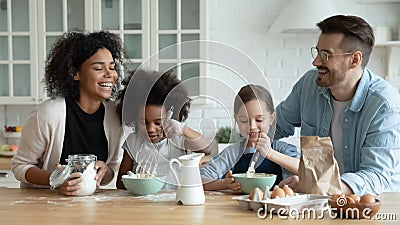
<point x="378" y="1"/>
<point x="148" y="26"/>
<point x="177" y="21"/>
<point x="18" y="58"/>
<point x="8" y="180"/>
<point x="28" y="28"/>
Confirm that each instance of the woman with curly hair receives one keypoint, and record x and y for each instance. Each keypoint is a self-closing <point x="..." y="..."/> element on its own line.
<point x="82" y="71"/>
<point x="157" y="138"/>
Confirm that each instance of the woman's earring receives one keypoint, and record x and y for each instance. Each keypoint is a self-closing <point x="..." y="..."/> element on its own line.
<point x="76" y="77"/>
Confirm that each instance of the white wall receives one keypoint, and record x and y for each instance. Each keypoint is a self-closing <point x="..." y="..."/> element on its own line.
<point x="282" y="59"/>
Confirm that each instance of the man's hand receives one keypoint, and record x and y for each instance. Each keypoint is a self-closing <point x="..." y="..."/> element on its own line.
<point x="292" y="182"/>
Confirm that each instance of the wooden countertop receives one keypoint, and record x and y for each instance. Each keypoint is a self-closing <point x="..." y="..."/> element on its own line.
<point x="43" y="206"/>
<point x="5" y="163"/>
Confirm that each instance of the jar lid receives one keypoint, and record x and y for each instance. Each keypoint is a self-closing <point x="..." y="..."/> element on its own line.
<point x="81" y="157"/>
<point x="59" y="176"/>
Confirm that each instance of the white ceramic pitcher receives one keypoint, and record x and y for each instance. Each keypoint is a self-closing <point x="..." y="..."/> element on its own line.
<point x="190" y="188"/>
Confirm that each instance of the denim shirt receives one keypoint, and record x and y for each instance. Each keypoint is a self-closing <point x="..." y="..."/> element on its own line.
<point x="228" y="158"/>
<point x="370" y="127"/>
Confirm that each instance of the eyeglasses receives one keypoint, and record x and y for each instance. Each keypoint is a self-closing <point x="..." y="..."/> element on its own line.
<point x="325" y="55"/>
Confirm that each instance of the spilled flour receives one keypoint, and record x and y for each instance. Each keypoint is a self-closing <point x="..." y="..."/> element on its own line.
<point x="161" y="197"/>
<point x="99" y="196"/>
<point x="107" y="196"/>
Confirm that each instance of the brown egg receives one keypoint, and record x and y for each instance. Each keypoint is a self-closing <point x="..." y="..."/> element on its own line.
<point x="253" y="192"/>
<point x="288" y="191"/>
<point x="355" y="197"/>
<point x="277" y="193"/>
<point x="367" y="199"/>
<point x="334" y="197"/>
<point x="350" y="199"/>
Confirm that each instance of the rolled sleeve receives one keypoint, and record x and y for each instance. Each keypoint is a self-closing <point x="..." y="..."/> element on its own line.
<point x="379" y="168"/>
<point x="31" y="151"/>
<point x="287" y="149"/>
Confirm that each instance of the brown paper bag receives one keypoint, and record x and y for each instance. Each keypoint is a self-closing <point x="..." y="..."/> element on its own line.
<point x="318" y="169"/>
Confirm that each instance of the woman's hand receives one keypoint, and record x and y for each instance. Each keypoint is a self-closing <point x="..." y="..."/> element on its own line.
<point x="70" y="186"/>
<point x="292" y="182"/>
<point x="263" y="144"/>
<point x="102" y="169"/>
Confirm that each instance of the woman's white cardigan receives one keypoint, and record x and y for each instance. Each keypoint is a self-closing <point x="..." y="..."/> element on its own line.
<point x="42" y="139"/>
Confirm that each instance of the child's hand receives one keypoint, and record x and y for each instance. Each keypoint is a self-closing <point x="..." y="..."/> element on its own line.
<point x="221" y="184"/>
<point x="229" y="182"/>
<point x="263" y="144"/>
<point x="173" y="128"/>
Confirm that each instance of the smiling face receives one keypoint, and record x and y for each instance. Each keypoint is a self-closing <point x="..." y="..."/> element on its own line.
<point x="150" y="122"/>
<point x="253" y="118"/>
<point x="334" y="71"/>
<point x="97" y="76"/>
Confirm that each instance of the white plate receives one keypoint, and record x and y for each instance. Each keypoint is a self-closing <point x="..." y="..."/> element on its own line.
<point x="7" y="153"/>
<point x="12" y="134"/>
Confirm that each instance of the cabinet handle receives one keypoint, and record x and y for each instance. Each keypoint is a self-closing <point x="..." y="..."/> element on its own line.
<point x="37" y="100"/>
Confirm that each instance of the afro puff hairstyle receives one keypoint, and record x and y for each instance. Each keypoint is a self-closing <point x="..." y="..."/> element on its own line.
<point x="144" y="88"/>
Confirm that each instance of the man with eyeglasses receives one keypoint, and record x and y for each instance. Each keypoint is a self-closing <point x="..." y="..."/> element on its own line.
<point x="344" y="100"/>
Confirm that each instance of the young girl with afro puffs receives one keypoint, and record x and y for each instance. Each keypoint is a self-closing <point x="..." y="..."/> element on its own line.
<point x="155" y="139"/>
